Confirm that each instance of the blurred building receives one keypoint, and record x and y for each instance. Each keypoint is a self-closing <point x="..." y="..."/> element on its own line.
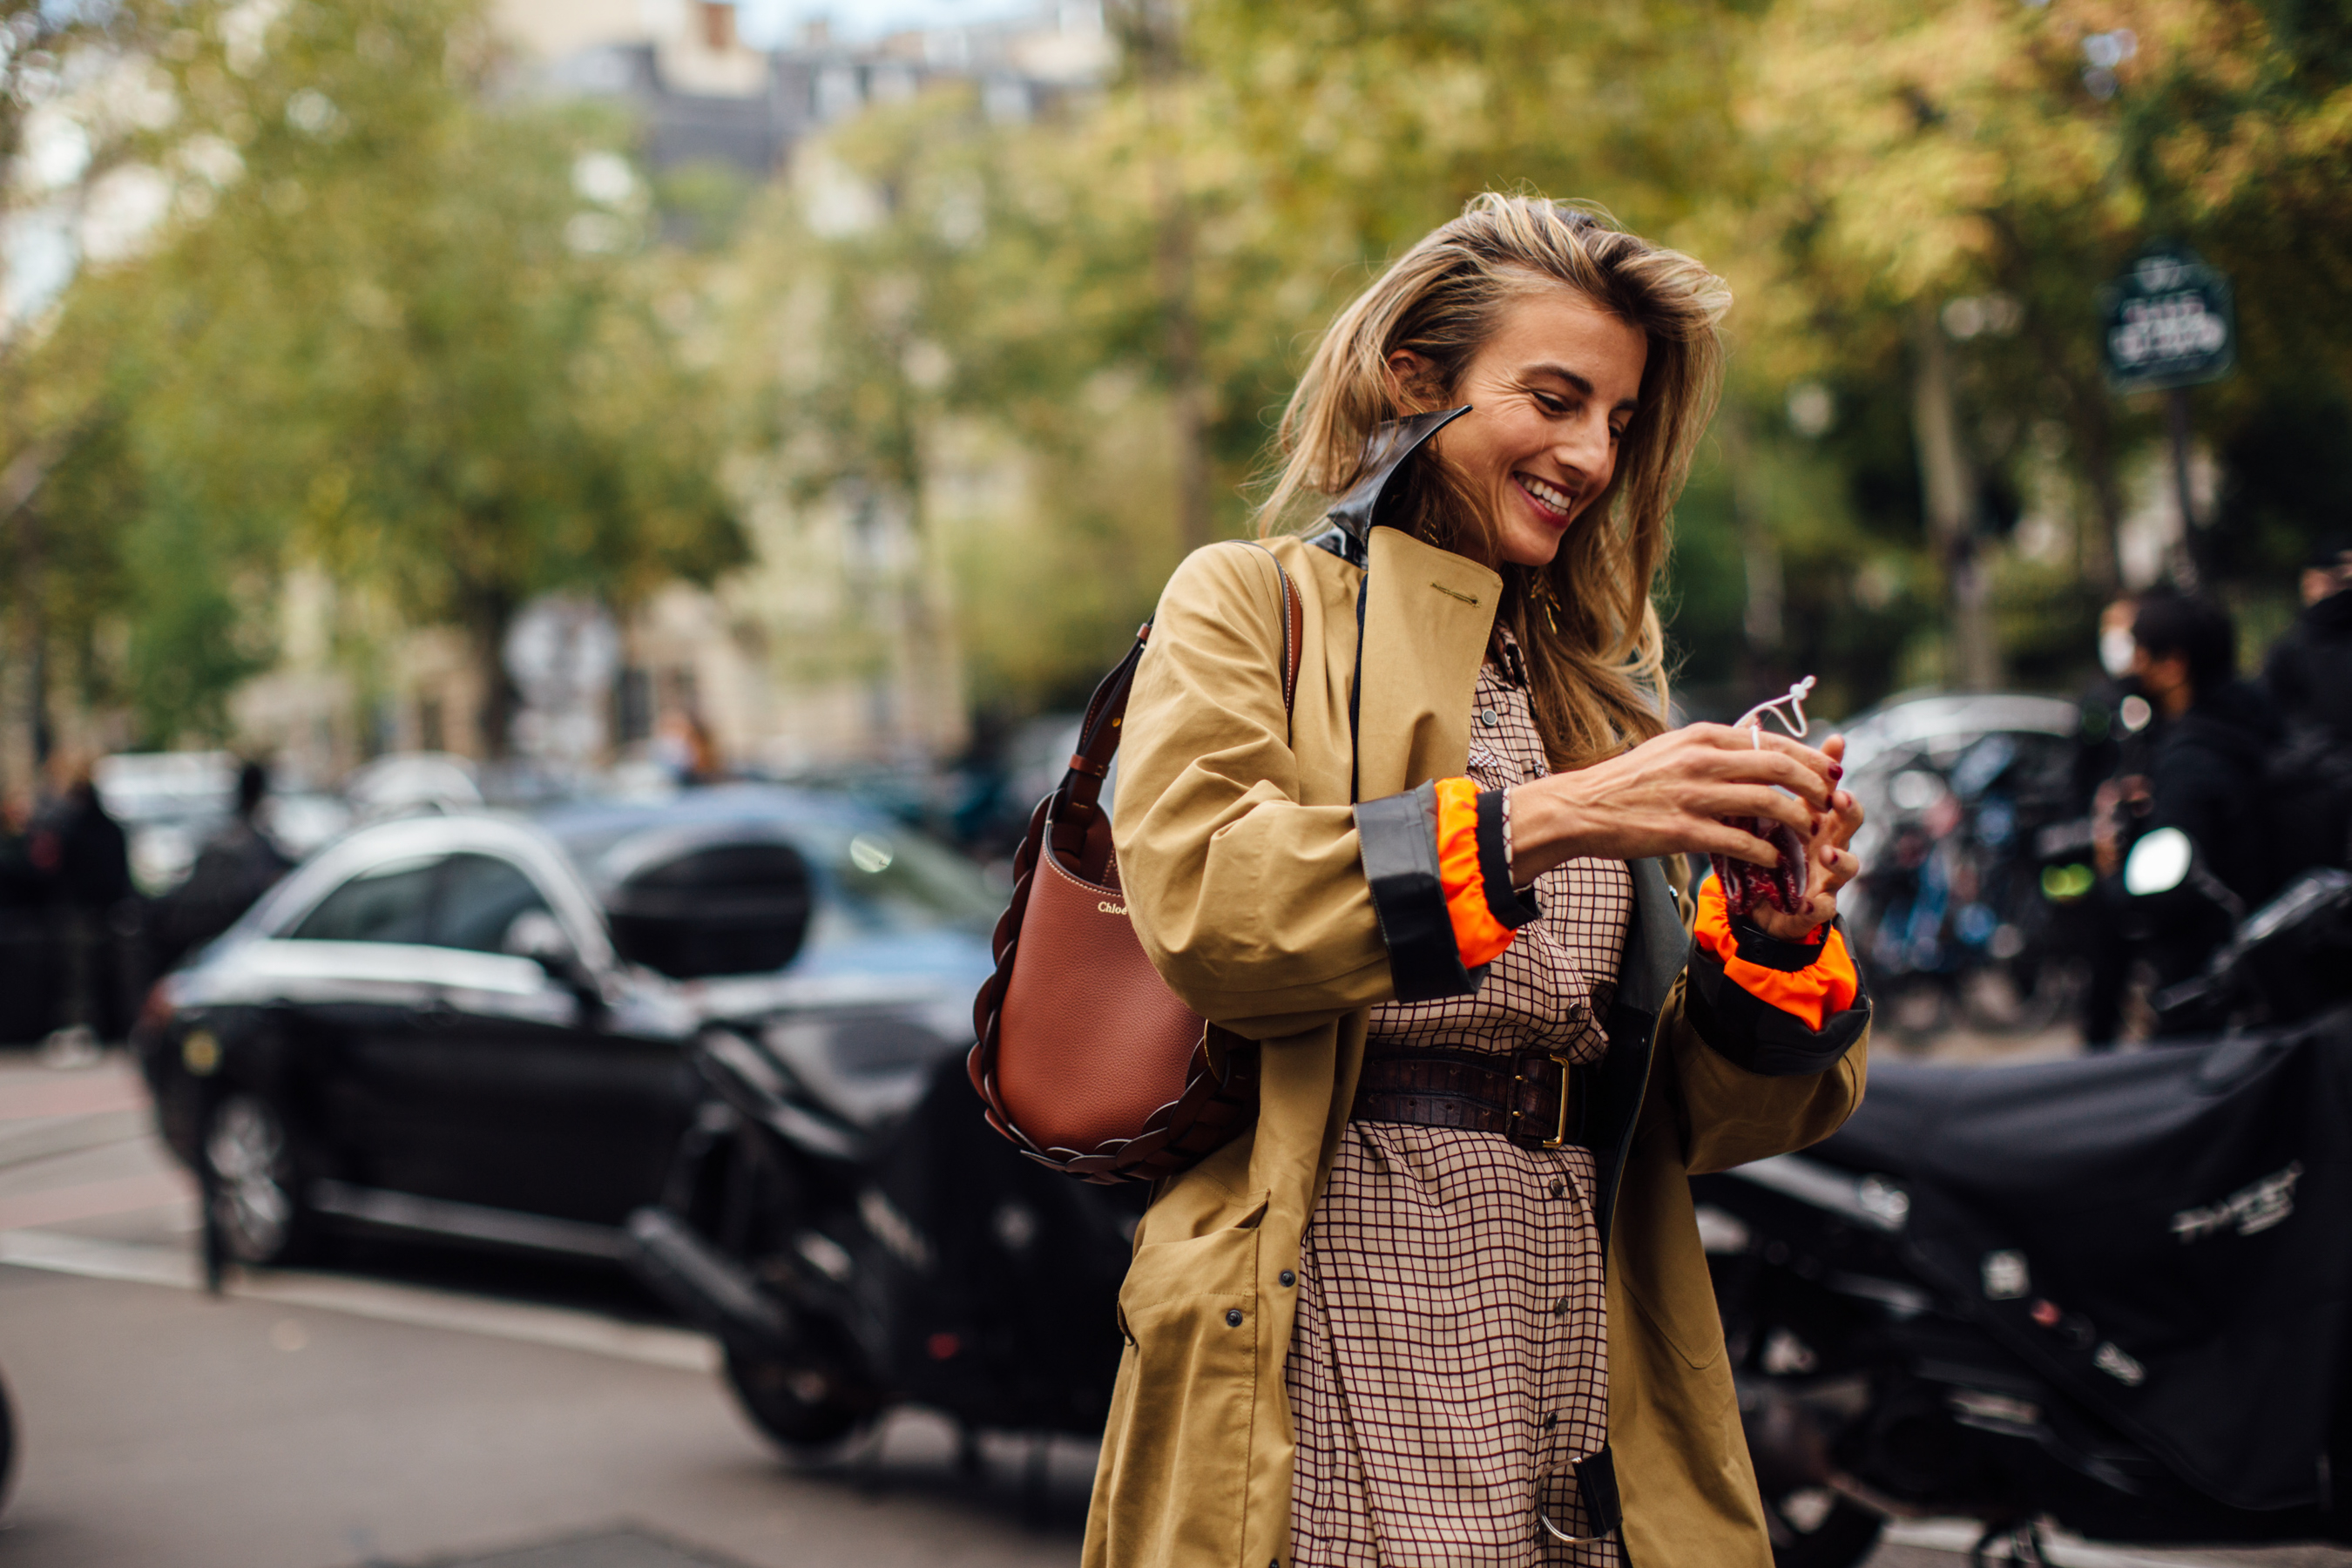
<point x="705" y="94"/>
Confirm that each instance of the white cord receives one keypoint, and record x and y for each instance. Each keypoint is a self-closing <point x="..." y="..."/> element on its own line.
<point x="1753" y="719"/>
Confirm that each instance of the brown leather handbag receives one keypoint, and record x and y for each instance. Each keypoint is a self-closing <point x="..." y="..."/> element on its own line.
<point x="1086" y="1060"/>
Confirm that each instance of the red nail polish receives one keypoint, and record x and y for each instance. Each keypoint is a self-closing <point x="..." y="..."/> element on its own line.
<point x="1836" y="773"/>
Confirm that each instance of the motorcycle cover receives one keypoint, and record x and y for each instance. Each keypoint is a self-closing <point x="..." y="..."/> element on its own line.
<point x="2167" y="1235"/>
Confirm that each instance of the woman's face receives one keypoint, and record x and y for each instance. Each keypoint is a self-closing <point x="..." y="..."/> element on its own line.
<point x="1551" y="394"/>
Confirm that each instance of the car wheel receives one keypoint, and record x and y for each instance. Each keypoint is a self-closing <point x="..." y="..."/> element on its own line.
<point x="1818" y="1529"/>
<point x="249" y="1159"/>
<point x="806" y="1412"/>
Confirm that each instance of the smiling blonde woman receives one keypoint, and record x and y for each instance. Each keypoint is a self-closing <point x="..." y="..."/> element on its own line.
<point x="1445" y="1303"/>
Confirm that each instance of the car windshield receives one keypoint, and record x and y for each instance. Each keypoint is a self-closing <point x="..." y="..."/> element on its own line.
<point x="879" y="877"/>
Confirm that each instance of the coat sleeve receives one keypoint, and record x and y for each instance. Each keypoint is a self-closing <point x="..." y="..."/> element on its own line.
<point x="1768" y="1041"/>
<point x="1728" y="1115"/>
<point x="1256" y="909"/>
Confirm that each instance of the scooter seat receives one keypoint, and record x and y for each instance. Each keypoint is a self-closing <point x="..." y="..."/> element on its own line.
<point x="2021" y="1133"/>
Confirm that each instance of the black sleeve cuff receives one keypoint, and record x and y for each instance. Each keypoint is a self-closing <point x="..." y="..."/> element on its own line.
<point x="1752" y="1034"/>
<point x="1510" y="908"/>
<point x="1398" y="839"/>
<point x="1756" y="946"/>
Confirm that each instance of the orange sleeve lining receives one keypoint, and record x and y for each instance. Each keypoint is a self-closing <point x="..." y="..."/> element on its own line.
<point x="1829" y="985"/>
<point x="1480" y="937"/>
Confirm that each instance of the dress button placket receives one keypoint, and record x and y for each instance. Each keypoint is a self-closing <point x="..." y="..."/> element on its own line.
<point x="1556" y="1392"/>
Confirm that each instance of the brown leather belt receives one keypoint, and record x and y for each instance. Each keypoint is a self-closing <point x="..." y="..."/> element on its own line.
<point x="1527" y="1098"/>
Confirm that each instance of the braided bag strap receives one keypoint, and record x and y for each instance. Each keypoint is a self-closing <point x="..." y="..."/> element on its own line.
<point x="1218" y="1094"/>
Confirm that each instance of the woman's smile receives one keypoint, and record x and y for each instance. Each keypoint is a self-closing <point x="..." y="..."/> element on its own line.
<point x="1552" y="504"/>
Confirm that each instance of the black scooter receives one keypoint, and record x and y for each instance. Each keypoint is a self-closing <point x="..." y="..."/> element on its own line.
<point x="2110" y="1292"/>
<point x="859" y="1245"/>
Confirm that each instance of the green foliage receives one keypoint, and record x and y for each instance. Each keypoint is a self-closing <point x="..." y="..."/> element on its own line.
<point x="1846" y="165"/>
<point x="1970" y="147"/>
<point x="403" y="329"/>
<point x="701" y="205"/>
<point x="2047" y="616"/>
<point x="387" y="333"/>
<point x="191" y="639"/>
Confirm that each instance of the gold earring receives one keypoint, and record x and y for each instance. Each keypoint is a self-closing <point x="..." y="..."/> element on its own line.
<point x="1542" y="594"/>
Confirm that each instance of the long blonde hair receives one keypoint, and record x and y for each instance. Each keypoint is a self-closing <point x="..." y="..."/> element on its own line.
<point x="1585" y="624"/>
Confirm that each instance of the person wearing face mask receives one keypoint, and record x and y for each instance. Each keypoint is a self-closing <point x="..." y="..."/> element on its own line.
<point x="1445" y="1299"/>
<point x="2106" y="723"/>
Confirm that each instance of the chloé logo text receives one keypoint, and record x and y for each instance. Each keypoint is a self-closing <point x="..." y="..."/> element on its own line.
<point x="1108" y="908"/>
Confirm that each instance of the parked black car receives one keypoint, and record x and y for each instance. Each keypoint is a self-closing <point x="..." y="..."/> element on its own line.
<point x="474" y="1026"/>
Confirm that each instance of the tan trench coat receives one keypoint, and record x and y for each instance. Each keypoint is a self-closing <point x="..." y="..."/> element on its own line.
<point x="1238" y="849"/>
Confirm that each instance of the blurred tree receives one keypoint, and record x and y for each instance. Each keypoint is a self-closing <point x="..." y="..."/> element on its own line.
<point x="1917" y="207"/>
<point x="74" y="93"/>
<point x="934" y="300"/>
<point x="1128" y="291"/>
<point x="400" y="326"/>
<point x="1955" y="181"/>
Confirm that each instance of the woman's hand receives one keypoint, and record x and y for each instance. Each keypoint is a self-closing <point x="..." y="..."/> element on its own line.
<point x="1832" y="865"/>
<point x="1669" y="796"/>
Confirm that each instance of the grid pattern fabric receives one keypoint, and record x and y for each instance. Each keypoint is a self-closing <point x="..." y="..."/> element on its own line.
<point x="1450" y="1362"/>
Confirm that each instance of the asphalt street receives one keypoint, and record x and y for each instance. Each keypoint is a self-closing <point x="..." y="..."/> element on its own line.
<point x="420" y="1408"/>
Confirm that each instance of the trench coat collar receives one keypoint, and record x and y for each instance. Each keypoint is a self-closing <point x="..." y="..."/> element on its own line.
<point x="1369" y="503"/>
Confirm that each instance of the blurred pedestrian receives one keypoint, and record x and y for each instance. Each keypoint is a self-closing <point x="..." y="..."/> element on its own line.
<point x="682" y="745"/>
<point x="238" y="863"/>
<point x="84" y="861"/>
<point x="2309" y="678"/>
<point x="1375" y="1327"/>
<point x="23" y="885"/>
<point x="2309" y="671"/>
<point x="2206" y="776"/>
<point x="2105" y="721"/>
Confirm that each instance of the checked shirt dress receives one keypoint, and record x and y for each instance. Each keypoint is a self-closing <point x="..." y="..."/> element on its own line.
<point x="1450" y="1364"/>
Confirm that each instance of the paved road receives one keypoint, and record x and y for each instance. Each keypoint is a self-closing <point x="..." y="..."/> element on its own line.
<point x="431" y="1410"/>
<point x="165" y="1428"/>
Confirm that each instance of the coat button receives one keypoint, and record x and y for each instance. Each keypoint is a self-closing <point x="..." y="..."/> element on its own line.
<point x="1557" y="1188"/>
<point x="1288" y="1278"/>
<point x="1559" y="1308"/>
<point x="1551" y="1420"/>
<point x="1233" y="1316"/>
<point x="1489" y="718"/>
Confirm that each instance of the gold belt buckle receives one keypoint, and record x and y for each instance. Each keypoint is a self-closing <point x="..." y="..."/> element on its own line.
<point x="1559" y="1139"/>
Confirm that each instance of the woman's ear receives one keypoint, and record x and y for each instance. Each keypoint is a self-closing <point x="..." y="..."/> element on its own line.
<point x="1412" y="382"/>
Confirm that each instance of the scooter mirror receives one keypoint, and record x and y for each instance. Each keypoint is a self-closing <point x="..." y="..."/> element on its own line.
<point x="2158" y="863"/>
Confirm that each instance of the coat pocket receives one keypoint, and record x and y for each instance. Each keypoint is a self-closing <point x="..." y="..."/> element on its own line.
<point x="1179" y="1452"/>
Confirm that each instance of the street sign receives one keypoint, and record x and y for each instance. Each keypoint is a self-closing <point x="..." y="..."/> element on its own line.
<point x="2169" y="322"/>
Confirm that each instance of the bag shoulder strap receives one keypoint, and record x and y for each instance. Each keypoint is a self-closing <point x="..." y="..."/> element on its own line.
<point x="1077" y="802"/>
<point x="1294" y="627"/>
